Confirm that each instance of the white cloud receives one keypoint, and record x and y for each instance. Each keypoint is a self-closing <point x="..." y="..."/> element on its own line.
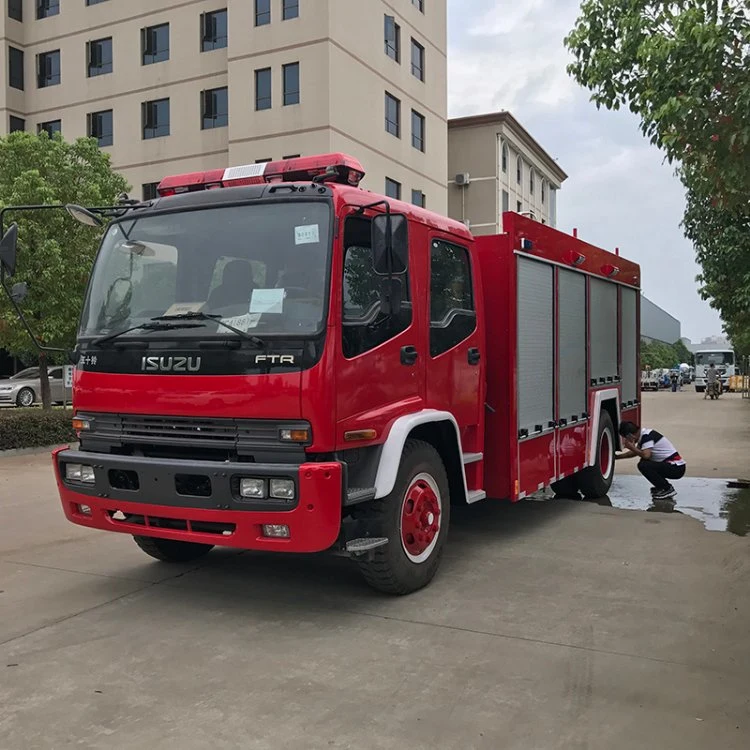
<point x="510" y="55"/>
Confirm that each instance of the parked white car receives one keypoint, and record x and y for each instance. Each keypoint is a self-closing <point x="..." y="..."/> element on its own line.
<point x="25" y="388"/>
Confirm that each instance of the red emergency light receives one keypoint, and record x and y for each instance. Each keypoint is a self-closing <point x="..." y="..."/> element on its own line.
<point x="338" y="168"/>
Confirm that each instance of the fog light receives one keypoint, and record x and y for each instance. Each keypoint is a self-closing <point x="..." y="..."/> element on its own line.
<point x="282" y="489"/>
<point x="253" y="488"/>
<point x="276" y="531"/>
<point x="84" y="509"/>
<point x="80" y="473"/>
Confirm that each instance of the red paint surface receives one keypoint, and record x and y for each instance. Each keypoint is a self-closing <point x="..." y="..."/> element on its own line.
<point x="536" y="462"/>
<point x="571" y="448"/>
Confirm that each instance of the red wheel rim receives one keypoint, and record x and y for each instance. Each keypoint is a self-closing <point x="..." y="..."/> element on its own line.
<point x="420" y="518"/>
<point x="605" y="454"/>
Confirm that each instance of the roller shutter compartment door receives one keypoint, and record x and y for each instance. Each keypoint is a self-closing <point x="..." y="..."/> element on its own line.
<point x="630" y="374"/>
<point x="571" y="288"/>
<point x="536" y="345"/>
<point x="603" y="305"/>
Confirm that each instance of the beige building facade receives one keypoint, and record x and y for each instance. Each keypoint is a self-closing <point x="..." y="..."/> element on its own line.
<point x="190" y="85"/>
<point x="495" y="165"/>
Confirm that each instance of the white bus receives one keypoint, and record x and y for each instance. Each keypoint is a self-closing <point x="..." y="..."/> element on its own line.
<point x="723" y="359"/>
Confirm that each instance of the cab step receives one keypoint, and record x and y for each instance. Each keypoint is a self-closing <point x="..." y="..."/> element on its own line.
<point x="356" y="495"/>
<point x="475" y="496"/>
<point x="365" y="544"/>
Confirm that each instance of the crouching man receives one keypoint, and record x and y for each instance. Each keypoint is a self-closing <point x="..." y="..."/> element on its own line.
<point x="659" y="459"/>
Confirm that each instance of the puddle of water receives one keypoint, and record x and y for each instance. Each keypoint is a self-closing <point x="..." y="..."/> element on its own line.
<point x="718" y="507"/>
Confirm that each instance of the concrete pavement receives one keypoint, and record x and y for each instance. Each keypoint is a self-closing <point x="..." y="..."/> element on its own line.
<point x="551" y="625"/>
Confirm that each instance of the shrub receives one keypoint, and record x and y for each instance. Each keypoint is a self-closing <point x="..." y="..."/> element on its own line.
<point x="34" y="428"/>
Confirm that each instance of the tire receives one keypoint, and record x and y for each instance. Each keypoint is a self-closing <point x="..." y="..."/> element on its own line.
<point x="567" y="488"/>
<point x="169" y="550"/>
<point x="415" y="518"/>
<point x="25" y="398"/>
<point x="594" y="481"/>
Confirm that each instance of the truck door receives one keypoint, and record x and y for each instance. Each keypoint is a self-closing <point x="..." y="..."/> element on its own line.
<point x="380" y="370"/>
<point x="454" y="368"/>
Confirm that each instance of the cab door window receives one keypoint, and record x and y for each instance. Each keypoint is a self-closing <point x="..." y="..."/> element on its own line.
<point x="453" y="316"/>
<point x="365" y="327"/>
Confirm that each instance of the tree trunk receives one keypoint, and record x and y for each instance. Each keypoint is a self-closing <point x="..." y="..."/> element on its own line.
<point x="44" y="379"/>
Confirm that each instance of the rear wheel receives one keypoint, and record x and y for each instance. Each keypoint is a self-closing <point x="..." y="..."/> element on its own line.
<point x="25" y="398"/>
<point x="414" y="517"/>
<point x="596" y="480"/>
<point x="169" y="550"/>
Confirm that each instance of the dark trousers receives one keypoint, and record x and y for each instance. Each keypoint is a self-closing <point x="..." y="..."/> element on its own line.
<point x="659" y="472"/>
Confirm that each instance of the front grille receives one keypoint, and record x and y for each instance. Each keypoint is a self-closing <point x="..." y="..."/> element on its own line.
<point x="189" y="437"/>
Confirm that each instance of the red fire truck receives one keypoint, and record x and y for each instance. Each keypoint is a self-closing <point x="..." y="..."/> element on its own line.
<point x="272" y="358"/>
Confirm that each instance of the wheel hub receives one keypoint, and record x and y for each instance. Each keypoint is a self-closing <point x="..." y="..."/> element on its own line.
<point x="420" y="518"/>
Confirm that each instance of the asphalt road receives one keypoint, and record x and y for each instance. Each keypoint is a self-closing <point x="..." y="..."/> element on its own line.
<point x="551" y="625"/>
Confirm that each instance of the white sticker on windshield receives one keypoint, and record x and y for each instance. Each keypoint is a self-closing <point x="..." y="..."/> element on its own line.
<point x="180" y="308"/>
<point x="267" y="301"/>
<point x="306" y="235"/>
<point x="243" y="322"/>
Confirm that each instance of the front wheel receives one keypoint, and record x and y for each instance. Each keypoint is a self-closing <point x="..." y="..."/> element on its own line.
<point x="596" y="480"/>
<point x="414" y="518"/>
<point x="169" y="550"/>
<point x="25" y="398"/>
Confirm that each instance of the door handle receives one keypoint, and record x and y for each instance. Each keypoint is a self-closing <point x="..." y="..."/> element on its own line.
<point x="409" y="355"/>
<point x="474" y="355"/>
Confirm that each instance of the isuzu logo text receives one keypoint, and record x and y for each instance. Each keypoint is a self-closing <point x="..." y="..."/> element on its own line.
<point x="170" y="364"/>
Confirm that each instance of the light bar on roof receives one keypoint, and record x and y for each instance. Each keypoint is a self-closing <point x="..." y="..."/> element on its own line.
<point x="340" y="168"/>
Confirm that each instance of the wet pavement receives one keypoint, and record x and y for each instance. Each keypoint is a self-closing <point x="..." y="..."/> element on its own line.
<point x="710" y="501"/>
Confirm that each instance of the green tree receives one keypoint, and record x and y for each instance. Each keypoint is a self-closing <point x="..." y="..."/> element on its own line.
<point x="683" y="68"/>
<point x="55" y="253"/>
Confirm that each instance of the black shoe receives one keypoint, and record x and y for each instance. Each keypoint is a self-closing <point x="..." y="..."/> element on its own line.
<point x="666" y="494"/>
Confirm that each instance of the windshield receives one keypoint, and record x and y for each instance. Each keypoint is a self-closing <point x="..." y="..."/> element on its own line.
<point x="260" y="268"/>
<point x="28" y="374"/>
<point x="717" y="358"/>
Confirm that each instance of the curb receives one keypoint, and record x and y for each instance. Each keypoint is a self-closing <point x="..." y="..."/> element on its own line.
<point x="34" y="451"/>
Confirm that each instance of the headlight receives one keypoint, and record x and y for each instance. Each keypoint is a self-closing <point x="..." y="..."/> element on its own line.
<point x="6" y="387"/>
<point x="253" y="488"/>
<point x="282" y="489"/>
<point x="80" y="473"/>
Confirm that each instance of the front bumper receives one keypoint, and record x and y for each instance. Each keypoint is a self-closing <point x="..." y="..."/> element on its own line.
<point x="157" y="508"/>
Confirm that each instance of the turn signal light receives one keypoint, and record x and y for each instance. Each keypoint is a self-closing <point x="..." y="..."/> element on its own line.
<point x="294" y="436"/>
<point x="80" y="424"/>
<point x="355" y="435"/>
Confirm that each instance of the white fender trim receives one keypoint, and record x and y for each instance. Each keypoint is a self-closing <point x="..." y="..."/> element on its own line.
<point x="393" y="448"/>
<point x="599" y="398"/>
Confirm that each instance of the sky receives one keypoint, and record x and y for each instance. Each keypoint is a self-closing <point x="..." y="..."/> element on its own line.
<point x="509" y="54"/>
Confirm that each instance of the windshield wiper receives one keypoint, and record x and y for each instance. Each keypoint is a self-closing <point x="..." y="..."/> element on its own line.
<point x="153" y="326"/>
<point x="217" y="319"/>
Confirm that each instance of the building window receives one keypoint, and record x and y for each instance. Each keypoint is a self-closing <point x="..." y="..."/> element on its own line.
<point x="418" y="198"/>
<point x="155" y="118"/>
<point x="392" y="39"/>
<point x="418" y="4"/>
<point x="95" y="2"/>
<point x="506" y="201"/>
<point x="99" y="56"/>
<point x="263" y="89"/>
<point x="262" y="12"/>
<point x="519" y="170"/>
<point x="291" y="156"/>
<point x="532" y="181"/>
<point x="519" y="207"/>
<point x="544" y="191"/>
<point x="417" y="60"/>
<point x="48" y="69"/>
<point x="149" y="191"/>
<point x="291" y="84"/>
<point x="215" y="108"/>
<point x="99" y="126"/>
<point x="51" y="127"/>
<point x="15" y="10"/>
<point x="417" y="130"/>
<point x="290" y="9"/>
<point x="504" y="157"/>
<point x="47" y="8"/>
<point x="392" y="115"/>
<point x="155" y="44"/>
<point x="15" y="68"/>
<point x="16" y="124"/>
<point x="393" y="189"/>
<point x="264" y="161"/>
<point x="214" y="30"/>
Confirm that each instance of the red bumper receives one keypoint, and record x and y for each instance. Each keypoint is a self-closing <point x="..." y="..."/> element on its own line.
<point x="314" y="524"/>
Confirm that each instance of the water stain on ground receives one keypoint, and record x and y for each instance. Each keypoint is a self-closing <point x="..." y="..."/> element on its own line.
<point x="711" y="501"/>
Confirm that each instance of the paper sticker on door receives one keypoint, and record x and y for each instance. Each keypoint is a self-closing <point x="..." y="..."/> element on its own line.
<point x="267" y="301"/>
<point x="243" y="322"/>
<point x="306" y="235"/>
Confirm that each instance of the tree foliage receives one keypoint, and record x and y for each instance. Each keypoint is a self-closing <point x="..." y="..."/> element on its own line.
<point x="55" y="253"/>
<point x="656" y="355"/>
<point x="683" y="67"/>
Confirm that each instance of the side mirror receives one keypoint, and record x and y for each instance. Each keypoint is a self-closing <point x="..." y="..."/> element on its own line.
<point x="8" y="246"/>
<point x="391" y="296"/>
<point x="390" y="237"/>
<point x="19" y="291"/>
<point x="83" y="215"/>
